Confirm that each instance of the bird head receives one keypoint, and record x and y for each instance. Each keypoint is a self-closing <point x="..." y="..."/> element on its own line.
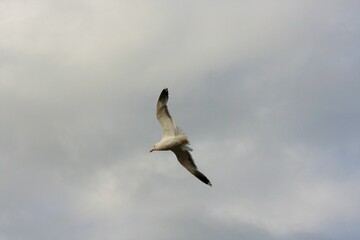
<point x="152" y="149"/>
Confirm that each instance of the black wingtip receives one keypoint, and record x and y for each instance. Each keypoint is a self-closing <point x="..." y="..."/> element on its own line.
<point x="164" y="94"/>
<point x="202" y="178"/>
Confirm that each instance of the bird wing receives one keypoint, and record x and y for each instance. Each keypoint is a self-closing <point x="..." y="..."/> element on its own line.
<point x="163" y="115"/>
<point x="187" y="161"/>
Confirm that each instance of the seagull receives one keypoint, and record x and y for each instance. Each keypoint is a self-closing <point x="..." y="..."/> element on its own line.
<point x="174" y="139"/>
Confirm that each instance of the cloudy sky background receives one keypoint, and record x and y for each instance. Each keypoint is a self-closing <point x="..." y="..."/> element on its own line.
<point x="268" y="92"/>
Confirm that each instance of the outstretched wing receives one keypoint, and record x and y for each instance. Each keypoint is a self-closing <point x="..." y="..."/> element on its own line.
<point x="186" y="160"/>
<point x="163" y="115"/>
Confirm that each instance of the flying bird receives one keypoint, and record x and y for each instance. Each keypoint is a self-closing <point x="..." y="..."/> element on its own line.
<point x="174" y="139"/>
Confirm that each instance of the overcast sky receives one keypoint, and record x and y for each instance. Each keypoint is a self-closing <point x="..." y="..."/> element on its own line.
<point x="267" y="91"/>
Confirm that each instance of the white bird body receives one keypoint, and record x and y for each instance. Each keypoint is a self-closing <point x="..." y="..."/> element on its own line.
<point x="169" y="142"/>
<point x="174" y="139"/>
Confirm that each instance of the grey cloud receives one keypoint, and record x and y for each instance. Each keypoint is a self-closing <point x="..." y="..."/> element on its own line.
<point x="266" y="92"/>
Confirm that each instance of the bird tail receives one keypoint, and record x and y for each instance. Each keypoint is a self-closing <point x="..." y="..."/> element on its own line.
<point x="179" y="131"/>
<point x="185" y="147"/>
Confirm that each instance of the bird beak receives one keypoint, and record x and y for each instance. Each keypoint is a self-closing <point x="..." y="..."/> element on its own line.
<point x="151" y="150"/>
